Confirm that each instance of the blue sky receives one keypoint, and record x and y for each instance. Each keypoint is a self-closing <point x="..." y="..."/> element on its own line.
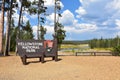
<point x="92" y="19"/>
<point x="88" y="19"/>
<point x="82" y="19"/>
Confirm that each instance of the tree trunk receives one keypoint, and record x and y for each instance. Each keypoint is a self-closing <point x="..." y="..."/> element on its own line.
<point x="6" y="52"/>
<point x="9" y="15"/>
<point x="18" y="30"/>
<point x="1" y="34"/>
<point x="55" y="27"/>
<point x="2" y="28"/>
<point x="38" y="28"/>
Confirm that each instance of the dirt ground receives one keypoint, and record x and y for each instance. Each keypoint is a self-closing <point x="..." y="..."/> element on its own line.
<point x="67" y="68"/>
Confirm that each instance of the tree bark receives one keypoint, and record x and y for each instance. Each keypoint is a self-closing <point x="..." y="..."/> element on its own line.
<point x="1" y="37"/>
<point x="18" y="30"/>
<point x="6" y="52"/>
<point x="2" y="27"/>
<point x="9" y="16"/>
<point x="55" y="27"/>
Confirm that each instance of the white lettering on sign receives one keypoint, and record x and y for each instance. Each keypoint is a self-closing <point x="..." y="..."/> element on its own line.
<point x="30" y="46"/>
<point x="30" y="43"/>
<point x="30" y="50"/>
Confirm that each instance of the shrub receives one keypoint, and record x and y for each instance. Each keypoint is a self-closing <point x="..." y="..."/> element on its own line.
<point x="116" y="50"/>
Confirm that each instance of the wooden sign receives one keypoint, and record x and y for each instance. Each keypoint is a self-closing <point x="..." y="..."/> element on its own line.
<point x="29" y="46"/>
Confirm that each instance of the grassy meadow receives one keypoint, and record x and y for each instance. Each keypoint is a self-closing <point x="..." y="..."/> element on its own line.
<point x="80" y="47"/>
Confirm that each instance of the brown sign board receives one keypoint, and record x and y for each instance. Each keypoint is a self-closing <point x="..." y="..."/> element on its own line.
<point x="29" y="46"/>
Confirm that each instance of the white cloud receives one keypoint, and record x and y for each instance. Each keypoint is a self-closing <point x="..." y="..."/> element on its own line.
<point x="50" y="18"/>
<point x="86" y="27"/>
<point x="114" y="4"/>
<point x="81" y="28"/>
<point x="67" y="18"/>
<point x="32" y="0"/>
<point x="50" y="3"/>
<point x="50" y="6"/>
<point x="71" y="25"/>
<point x="25" y="19"/>
<point x="16" y="18"/>
<point x="69" y="37"/>
<point x="34" y="28"/>
<point x="87" y="2"/>
<point x="50" y="29"/>
<point x="100" y="12"/>
<point x="95" y="10"/>
<point x="118" y="24"/>
<point x="81" y="11"/>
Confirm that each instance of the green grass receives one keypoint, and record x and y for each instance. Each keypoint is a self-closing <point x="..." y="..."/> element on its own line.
<point x="105" y="49"/>
<point x="73" y="45"/>
<point x="81" y="47"/>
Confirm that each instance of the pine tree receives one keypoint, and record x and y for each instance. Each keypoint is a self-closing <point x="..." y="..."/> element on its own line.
<point x="60" y="34"/>
<point x="26" y="32"/>
<point x="24" y="4"/>
<point x="13" y="33"/>
<point x="38" y="8"/>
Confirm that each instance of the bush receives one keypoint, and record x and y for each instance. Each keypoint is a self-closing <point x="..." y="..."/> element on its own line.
<point x="116" y="51"/>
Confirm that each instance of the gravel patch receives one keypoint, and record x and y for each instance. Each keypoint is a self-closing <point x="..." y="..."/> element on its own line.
<point x="68" y="68"/>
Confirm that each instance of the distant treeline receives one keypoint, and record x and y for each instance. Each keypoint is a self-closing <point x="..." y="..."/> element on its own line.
<point x="98" y="43"/>
<point x="104" y="43"/>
